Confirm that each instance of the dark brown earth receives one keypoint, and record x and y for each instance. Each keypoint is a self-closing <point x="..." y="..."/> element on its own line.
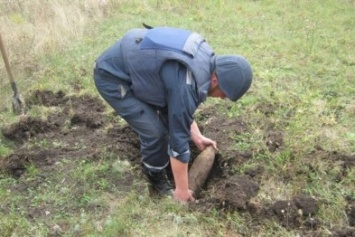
<point x="83" y="127"/>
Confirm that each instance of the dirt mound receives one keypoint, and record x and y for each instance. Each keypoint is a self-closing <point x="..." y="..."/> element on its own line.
<point x="47" y="98"/>
<point x="80" y="128"/>
<point x="236" y="192"/>
<point x="295" y="213"/>
<point x="27" y="127"/>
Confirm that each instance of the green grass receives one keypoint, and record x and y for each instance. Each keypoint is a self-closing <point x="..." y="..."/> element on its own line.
<point x="304" y="67"/>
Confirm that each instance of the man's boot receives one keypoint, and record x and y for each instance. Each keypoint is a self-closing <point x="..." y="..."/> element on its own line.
<point x="159" y="181"/>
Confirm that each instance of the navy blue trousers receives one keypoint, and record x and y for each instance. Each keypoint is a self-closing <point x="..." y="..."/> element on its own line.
<point x="143" y="118"/>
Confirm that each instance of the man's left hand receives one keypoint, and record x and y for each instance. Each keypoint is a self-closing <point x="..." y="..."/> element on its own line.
<point x="203" y="142"/>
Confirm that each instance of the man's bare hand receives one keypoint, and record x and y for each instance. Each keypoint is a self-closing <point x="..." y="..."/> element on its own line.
<point x="204" y="142"/>
<point x="183" y="196"/>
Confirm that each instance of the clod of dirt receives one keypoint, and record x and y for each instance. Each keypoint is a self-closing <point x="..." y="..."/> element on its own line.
<point x="254" y="172"/>
<point x="239" y="158"/>
<point x="16" y="163"/>
<point x="343" y="161"/>
<point x="347" y="161"/>
<point x="350" y="211"/>
<point x="47" y="98"/>
<point x="124" y="135"/>
<point x="267" y="109"/>
<point x="236" y="192"/>
<point x="12" y="165"/>
<point x="90" y="120"/>
<point x="274" y="140"/>
<point x="294" y="213"/>
<point x="346" y="232"/>
<point x="86" y="104"/>
<point x="27" y="127"/>
<point x="308" y="205"/>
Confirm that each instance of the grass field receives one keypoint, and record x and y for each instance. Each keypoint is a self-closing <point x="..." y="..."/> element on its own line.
<point x="302" y="99"/>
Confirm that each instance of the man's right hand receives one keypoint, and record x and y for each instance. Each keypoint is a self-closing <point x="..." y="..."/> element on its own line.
<point x="183" y="196"/>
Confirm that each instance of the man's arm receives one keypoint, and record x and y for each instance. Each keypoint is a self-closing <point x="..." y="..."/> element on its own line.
<point x="180" y="169"/>
<point x="182" y="192"/>
<point x="182" y="102"/>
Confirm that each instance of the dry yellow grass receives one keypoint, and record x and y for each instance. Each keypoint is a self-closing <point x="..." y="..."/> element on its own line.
<point x="37" y="28"/>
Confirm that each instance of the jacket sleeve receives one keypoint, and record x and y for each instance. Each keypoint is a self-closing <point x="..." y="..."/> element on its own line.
<point x="182" y="102"/>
